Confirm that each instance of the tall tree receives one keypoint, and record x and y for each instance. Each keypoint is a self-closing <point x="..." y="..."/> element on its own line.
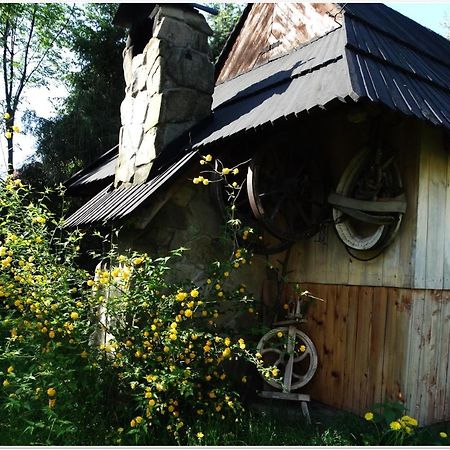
<point x="32" y="36"/>
<point x="89" y="119"/>
<point x="222" y="24"/>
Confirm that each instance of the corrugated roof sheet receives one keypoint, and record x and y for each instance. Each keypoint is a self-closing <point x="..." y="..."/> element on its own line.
<point x="111" y="204"/>
<point x="377" y="54"/>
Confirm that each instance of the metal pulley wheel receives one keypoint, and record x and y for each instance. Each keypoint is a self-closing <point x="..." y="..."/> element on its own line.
<point x="287" y="193"/>
<point x="369" y="202"/>
<point x="293" y="353"/>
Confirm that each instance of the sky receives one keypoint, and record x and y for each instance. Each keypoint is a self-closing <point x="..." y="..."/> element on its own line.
<point x="430" y="14"/>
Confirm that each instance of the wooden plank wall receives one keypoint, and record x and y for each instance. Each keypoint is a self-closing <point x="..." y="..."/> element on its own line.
<point x="432" y="250"/>
<point x="273" y="29"/>
<point x="323" y="259"/>
<point x="378" y="343"/>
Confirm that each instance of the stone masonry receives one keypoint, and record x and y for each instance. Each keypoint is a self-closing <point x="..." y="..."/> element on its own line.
<point x="169" y="88"/>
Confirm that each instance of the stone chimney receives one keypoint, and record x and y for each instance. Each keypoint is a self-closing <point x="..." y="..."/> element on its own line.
<point x="169" y="86"/>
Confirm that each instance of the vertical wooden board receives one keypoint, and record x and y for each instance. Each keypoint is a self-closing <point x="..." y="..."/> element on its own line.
<point x="377" y="346"/>
<point x="350" y="350"/>
<point x="415" y="353"/>
<point x="408" y="163"/>
<point x="437" y="190"/>
<point x="389" y="390"/>
<point x="446" y="237"/>
<point x="365" y="335"/>
<point x="431" y="355"/>
<point x="391" y="264"/>
<point x="338" y="263"/>
<point x="329" y="344"/>
<point x="340" y="339"/>
<point x="444" y="369"/>
<point x="441" y="333"/>
<point x="315" y="329"/>
<point x="366" y="273"/>
<point x="402" y="317"/>
<point x="425" y="359"/>
<point x="420" y="254"/>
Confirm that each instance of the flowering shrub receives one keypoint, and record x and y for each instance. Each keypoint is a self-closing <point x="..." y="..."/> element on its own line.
<point x="392" y="425"/>
<point x="111" y="357"/>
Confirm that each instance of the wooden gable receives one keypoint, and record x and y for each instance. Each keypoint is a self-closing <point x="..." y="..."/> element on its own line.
<point x="273" y="29"/>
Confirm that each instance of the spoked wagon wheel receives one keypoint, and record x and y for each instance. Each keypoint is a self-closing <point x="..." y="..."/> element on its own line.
<point x="287" y="193"/>
<point x="244" y="213"/>
<point x="293" y="353"/>
<point x="369" y="202"/>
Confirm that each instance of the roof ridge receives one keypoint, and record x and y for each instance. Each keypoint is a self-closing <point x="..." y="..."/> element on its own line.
<point x="285" y="55"/>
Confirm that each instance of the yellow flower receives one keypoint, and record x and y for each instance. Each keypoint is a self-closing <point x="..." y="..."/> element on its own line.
<point x="51" y="334"/>
<point x="5" y="383"/>
<point x="8" y="135"/>
<point x="10" y="369"/>
<point x="206" y="348"/>
<point x="302" y="348"/>
<point x="194" y="293"/>
<point x="16" y="129"/>
<point x="443" y="435"/>
<point x="188" y="313"/>
<point x="7" y="116"/>
<point x="152" y="403"/>
<point x="275" y="372"/>
<point x="368" y="416"/>
<point x="40" y="219"/>
<point x="137" y="261"/>
<point x="227" y="352"/>
<point x="226" y="274"/>
<point x="227" y="341"/>
<point x="51" y="392"/>
<point x="280" y="334"/>
<point x="395" y="425"/>
<point x="225" y="171"/>
<point x="208" y="158"/>
<point x="51" y="403"/>
<point x="138" y="419"/>
<point x="200" y="435"/>
<point x="181" y="296"/>
<point x="74" y="315"/>
<point x="244" y="379"/>
<point x="409" y="421"/>
<point x="235" y="171"/>
<point x="132" y="423"/>
<point x="206" y="182"/>
<point x="84" y="354"/>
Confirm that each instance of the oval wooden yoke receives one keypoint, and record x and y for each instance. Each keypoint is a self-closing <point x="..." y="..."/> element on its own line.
<point x="369" y="202"/>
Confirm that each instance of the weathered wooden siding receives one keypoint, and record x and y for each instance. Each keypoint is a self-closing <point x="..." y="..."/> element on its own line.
<point x="273" y="29"/>
<point x="432" y="250"/>
<point x="378" y="343"/>
<point x="323" y="259"/>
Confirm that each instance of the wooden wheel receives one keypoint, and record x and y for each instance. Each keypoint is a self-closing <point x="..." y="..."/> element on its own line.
<point x="244" y="214"/>
<point x="293" y="353"/>
<point x="286" y="193"/>
<point x="368" y="204"/>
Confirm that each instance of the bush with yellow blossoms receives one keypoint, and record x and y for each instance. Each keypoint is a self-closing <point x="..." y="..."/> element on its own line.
<point x="119" y="356"/>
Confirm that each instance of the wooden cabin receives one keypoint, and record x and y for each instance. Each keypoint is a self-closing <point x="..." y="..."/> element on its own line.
<point x="345" y="110"/>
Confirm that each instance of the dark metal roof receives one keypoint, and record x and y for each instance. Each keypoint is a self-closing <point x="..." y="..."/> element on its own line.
<point x="102" y="169"/>
<point x="112" y="204"/>
<point x="377" y="55"/>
